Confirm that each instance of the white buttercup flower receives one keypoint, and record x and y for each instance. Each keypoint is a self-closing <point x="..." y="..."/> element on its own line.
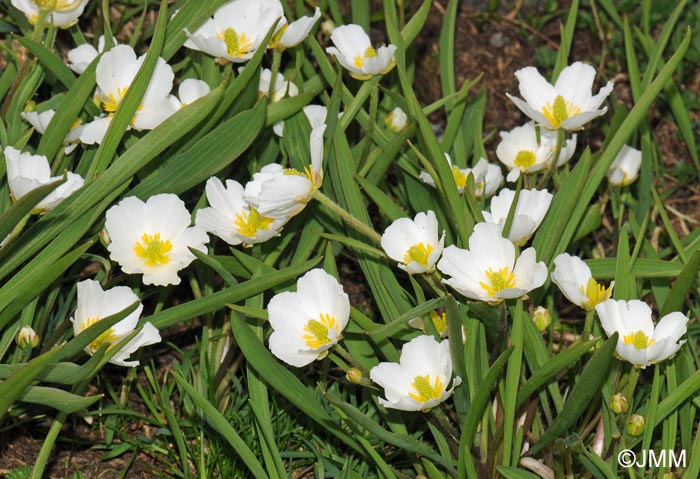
<point x="60" y="13"/>
<point x="292" y="34"/>
<point x="115" y="71"/>
<point x="26" y="172"/>
<point x="316" y="114"/>
<point x="153" y="238"/>
<point x="40" y="121"/>
<point x="487" y="177"/>
<point x="190" y="90"/>
<point x="640" y="342"/>
<point x="625" y="168"/>
<point x="232" y="219"/>
<point x="529" y="212"/>
<point x="520" y="152"/>
<point x="414" y="243"/>
<point x="80" y="57"/>
<point x="396" y="121"/>
<point x="353" y="50"/>
<point x="283" y="88"/>
<point x="236" y="30"/>
<point x="568" y="104"/>
<point x="94" y="304"/>
<point x="306" y="324"/>
<point x="279" y="192"/>
<point x="488" y="271"/>
<point x="419" y="381"/>
<point x="574" y="279"/>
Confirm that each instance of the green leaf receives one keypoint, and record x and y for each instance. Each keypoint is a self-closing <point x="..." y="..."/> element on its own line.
<point x="16" y="213"/>
<point x="58" y="399"/>
<point x="681" y="288"/>
<point x="50" y="60"/>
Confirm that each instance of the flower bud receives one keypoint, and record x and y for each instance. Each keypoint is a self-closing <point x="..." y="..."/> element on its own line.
<point x="354" y="376"/>
<point x="327" y="27"/>
<point x="618" y="403"/>
<point x="396" y="121"/>
<point x="27" y="338"/>
<point x="635" y="425"/>
<point x="542" y="318"/>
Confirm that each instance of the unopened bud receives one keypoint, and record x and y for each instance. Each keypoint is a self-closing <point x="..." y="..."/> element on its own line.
<point x="396" y="121"/>
<point x="542" y="318"/>
<point x="354" y="375"/>
<point x="618" y="403"/>
<point x="668" y="475"/>
<point x="104" y="237"/>
<point x="27" y="338"/>
<point x="327" y="27"/>
<point x="635" y="425"/>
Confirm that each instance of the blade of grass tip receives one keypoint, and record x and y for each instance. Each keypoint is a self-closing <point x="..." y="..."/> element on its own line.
<point x="625" y="282"/>
<point x="659" y="43"/>
<point x="50" y="60"/>
<point x="416" y="23"/>
<point x="220" y="424"/>
<point x="567" y="39"/>
<point x="681" y="288"/>
<point x="672" y="235"/>
<point x="58" y="399"/>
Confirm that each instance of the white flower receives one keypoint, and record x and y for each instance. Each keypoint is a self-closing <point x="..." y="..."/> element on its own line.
<point x="115" y="71"/>
<point x="26" y="172"/>
<point x="232" y="219"/>
<point x="520" y="152"/>
<point x="79" y="58"/>
<point x="283" y="88"/>
<point x="573" y="278"/>
<point x="530" y="211"/>
<point x="640" y="342"/>
<point x="414" y="243"/>
<point x="237" y="29"/>
<point x="94" y="304"/>
<point x="26" y="338"/>
<point x="190" y="90"/>
<point x="488" y="271"/>
<point x="279" y="192"/>
<point x="625" y="168"/>
<point x="419" y="381"/>
<point x="153" y="238"/>
<point x="40" y="121"/>
<point x="306" y="324"/>
<point x="568" y="104"/>
<point x="353" y="50"/>
<point x="396" y="121"/>
<point x="316" y="114"/>
<point x="60" y="13"/>
<point x="291" y="35"/>
<point x="487" y="177"/>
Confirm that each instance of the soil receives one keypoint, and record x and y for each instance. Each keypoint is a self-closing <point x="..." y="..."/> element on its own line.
<point x="495" y="44"/>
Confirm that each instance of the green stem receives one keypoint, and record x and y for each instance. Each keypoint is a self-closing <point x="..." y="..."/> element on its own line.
<point x="47" y="446"/>
<point x="345" y="354"/>
<point x="347" y="217"/>
<point x="513" y="207"/>
<point x="631" y="383"/>
<point x="373" y="103"/>
<point x="588" y="325"/>
<point x="276" y="59"/>
<point x="39" y="26"/>
<point x="561" y="138"/>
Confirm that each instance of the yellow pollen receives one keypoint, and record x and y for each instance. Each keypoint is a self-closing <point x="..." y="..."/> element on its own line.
<point x="460" y="177"/>
<point x="439" y="321"/>
<point x="525" y="159"/>
<point x="500" y="280"/>
<point x="153" y="250"/>
<point x="639" y="340"/>
<point x="236" y="45"/>
<point x="275" y="40"/>
<point x="359" y="61"/>
<point x="317" y="331"/>
<point x="308" y="173"/>
<point x="110" y="103"/>
<point x="57" y="5"/>
<point x="248" y="224"/>
<point x="595" y="293"/>
<point x="559" y="111"/>
<point x="106" y="337"/>
<point x="426" y="391"/>
<point x="419" y="253"/>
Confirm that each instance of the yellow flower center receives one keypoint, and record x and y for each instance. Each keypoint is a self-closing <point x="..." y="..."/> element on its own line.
<point x="460" y="177"/>
<point x="419" y="253"/>
<point x="369" y="53"/>
<point x="308" y="173"/>
<point x="317" y="331"/>
<point x="57" y="5"/>
<point x="425" y="390"/>
<point x="153" y="250"/>
<point x="639" y="340"/>
<point x="275" y="40"/>
<point x="439" y="321"/>
<point x="499" y="280"/>
<point x="236" y="45"/>
<point x="525" y="159"/>
<point x="106" y="337"/>
<point x="595" y="293"/>
<point x="559" y="111"/>
<point x="248" y="224"/>
<point x="110" y="103"/>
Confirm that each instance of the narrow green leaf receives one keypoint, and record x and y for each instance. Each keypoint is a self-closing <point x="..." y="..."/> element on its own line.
<point x="15" y="213"/>
<point x="58" y="399"/>
<point x="679" y="292"/>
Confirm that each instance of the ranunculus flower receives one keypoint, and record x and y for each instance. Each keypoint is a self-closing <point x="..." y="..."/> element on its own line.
<point x="60" y="13"/>
<point x="353" y="50"/>
<point x="574" y="279"/>
<point x="414" y="243"/>
<point x="625" y="168"/>
<point x="530" y="211"/>
<point x="487" y="177"/>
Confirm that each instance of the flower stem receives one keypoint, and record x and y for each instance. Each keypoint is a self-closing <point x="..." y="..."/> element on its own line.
<point x="345" y="354"/>
<point x="276" y="59"/>
<point x="373" y="102"/>
<point x="588" y="325"/>
<point x="347" y="217"/>
<point x="47" y="446"/>
<point x="561" y="138"/>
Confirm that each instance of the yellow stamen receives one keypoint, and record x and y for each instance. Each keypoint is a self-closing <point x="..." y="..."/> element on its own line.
<point x="307" y="173"/>
<point x="106" y="337"/>
<point x="500" y="280"/>
<point x="248" y="224"/>
<point x="236" y="45"/>
<point x="559" y="111"/>
<point x="639" y="340"/>
<point x="57" y="5"/>
<point x="275" y="40"/>
<point x="595" y="293"/>
<point x="460" y="177"/>
<point x="419" y="253"/>
<point x="426" y="391"/>
<point x="525" y="159"/>
<point x="359" y="61"/>
<point x="317" y="331"/>
<point x="110" y="103"/>
<point x="439" y="321"/>
<point x="153" y="250"/>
